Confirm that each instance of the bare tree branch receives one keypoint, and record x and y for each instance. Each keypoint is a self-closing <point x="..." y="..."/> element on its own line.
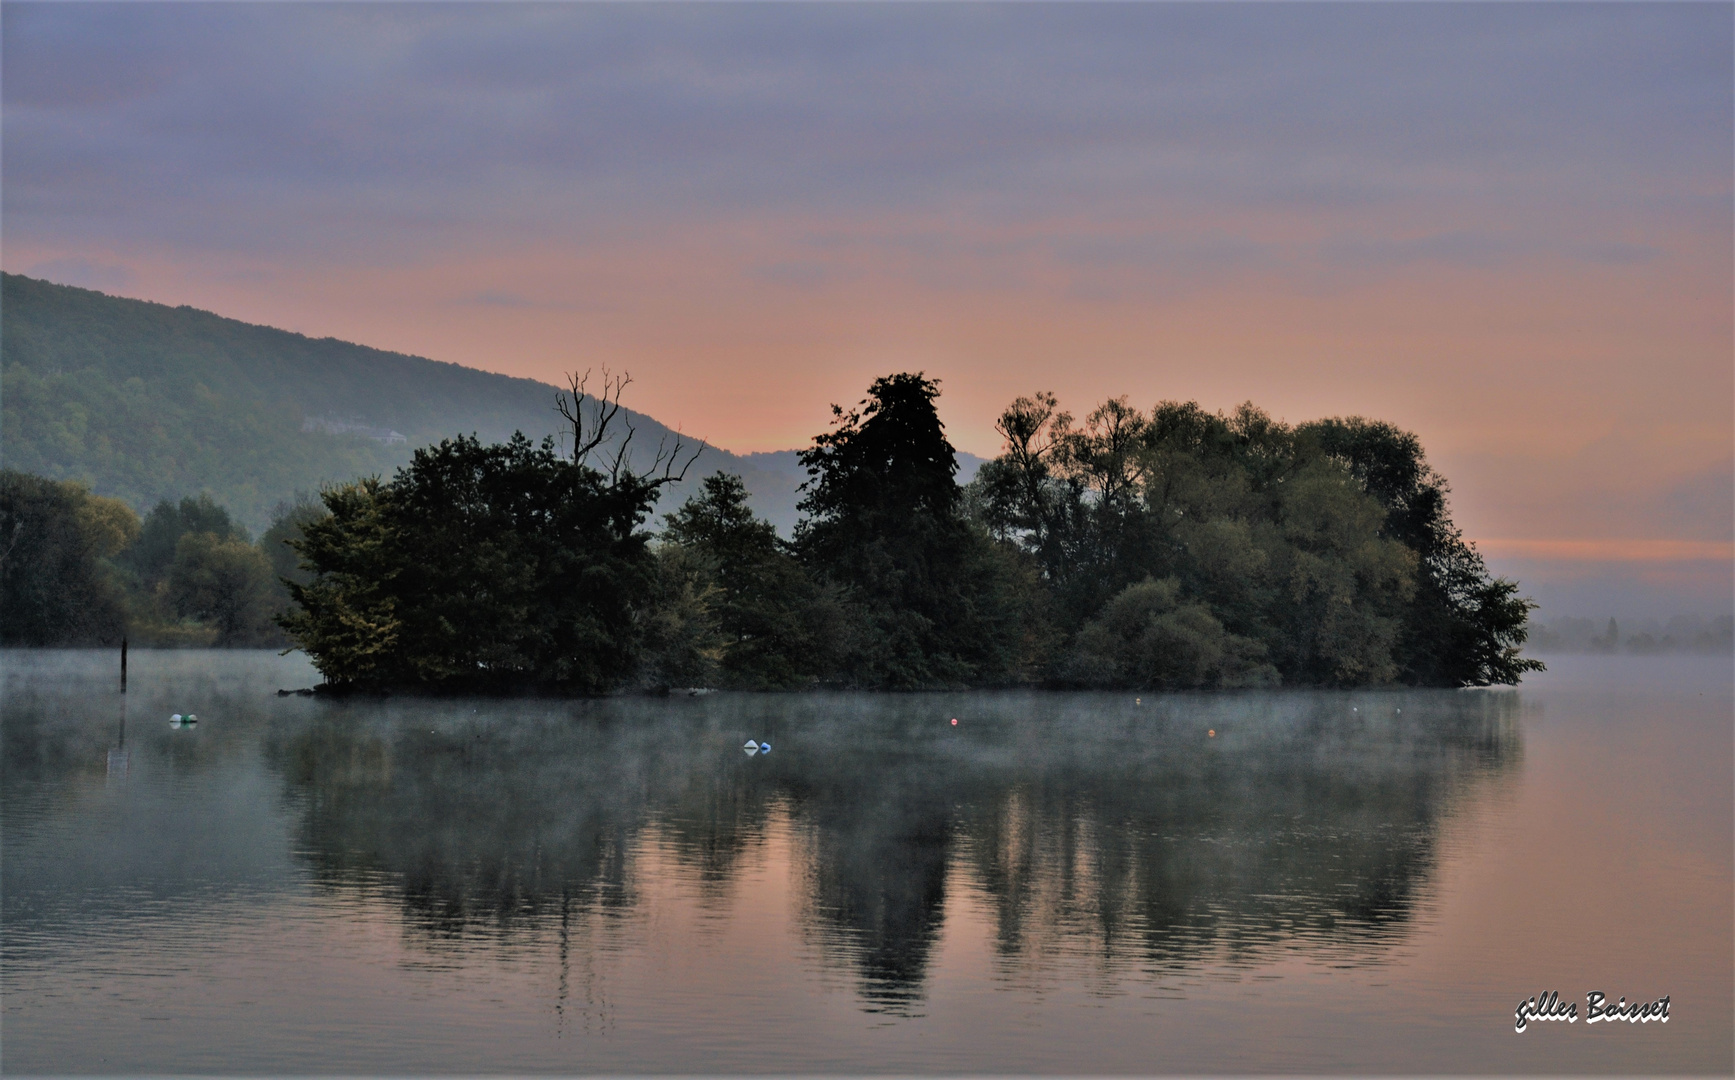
<point x="620" y="455"/>
<point x="668" y="458"/>
<point x="666" y="466"/>
<point x="608" y="403"/>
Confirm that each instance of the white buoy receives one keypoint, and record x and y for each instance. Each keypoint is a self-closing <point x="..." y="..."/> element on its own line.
<point x="751" y="747"/>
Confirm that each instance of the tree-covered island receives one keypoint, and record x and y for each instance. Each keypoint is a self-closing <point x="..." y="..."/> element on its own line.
<point x="1171" y="549"/>
<point x="1174" y="549"/>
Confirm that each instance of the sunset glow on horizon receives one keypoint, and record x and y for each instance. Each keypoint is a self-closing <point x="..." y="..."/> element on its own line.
<point x="1505" y="228"/>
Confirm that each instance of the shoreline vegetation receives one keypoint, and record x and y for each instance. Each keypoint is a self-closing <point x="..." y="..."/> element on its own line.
<point x="1169" y="549"/>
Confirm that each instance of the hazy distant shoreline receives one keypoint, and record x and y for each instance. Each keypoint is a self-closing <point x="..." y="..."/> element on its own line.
<point x="1679" y="635"/>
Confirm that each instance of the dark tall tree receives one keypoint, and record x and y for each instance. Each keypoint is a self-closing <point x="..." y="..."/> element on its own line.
<point x="933" y="602"/>
<point x="887" y="456"/>
<point x="719" y="522"/>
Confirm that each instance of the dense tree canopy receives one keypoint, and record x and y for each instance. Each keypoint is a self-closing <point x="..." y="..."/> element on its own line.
<point x="80" y="569"/>
<point x="501" y="565"/>
<point x="161" y="532"/>
<point x="780" y="628"/>
<point x="1168" y="549"/>
<point x="57" y="583"/>
<point x="1323" y="550"/>
<point x="1462" y="627"/>
<point x="224" y="583"/>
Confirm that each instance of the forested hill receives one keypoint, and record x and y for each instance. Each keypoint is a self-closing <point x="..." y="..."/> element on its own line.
<point x="145" y="402"/>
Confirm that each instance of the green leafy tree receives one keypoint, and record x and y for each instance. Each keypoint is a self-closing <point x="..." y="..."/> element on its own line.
<point x="226" y="584"/>
<point x="1328" y="544"/>
<point x="779" y="627"/>
<point x="161" y="532"/>
<point x="1152" y="638"/>
<point x="681" y="641"/>
<point x="499" y="565"/>
<point x="345" y="617"/>
<point x="1340" y="586"/>
<point x="58" y="584"/>
<point x="488" y="566"/>
<point x="1462" y="626"/>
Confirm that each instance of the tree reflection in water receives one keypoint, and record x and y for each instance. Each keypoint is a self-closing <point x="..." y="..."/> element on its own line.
<point x="1095" y="829"/>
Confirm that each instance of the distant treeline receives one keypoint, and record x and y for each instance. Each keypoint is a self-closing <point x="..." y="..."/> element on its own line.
<point x="1681" y="634"/>
<point x="1174" y="549"/>
<point x="82" y="569"/>
<point x="1170" y="549"/>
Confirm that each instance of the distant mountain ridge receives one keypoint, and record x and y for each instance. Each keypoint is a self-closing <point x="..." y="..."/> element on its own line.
<point x="145" y="401"/>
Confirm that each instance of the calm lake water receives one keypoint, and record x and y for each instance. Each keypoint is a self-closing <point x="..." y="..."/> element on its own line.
<point x="1059" y="883"/>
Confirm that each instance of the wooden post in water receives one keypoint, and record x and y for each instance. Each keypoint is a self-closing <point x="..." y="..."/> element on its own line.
<point x="117" y="755"/>
<point x="123" y="665"/>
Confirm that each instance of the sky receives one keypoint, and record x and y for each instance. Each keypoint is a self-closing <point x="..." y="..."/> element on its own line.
<point x="1505" y="227"/>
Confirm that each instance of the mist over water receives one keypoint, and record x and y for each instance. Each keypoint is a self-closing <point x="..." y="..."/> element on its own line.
<point x="1057" y="883"/>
